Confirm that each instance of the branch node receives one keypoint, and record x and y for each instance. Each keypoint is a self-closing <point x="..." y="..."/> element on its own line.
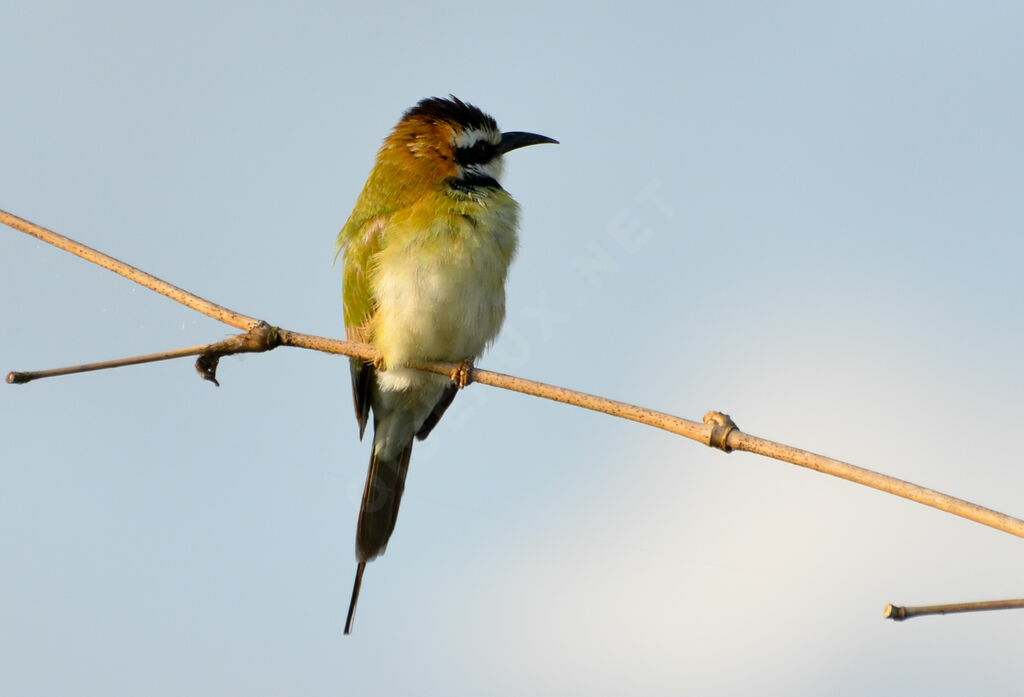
<point x="721" y="426"/>
<point x="262" y="337"/>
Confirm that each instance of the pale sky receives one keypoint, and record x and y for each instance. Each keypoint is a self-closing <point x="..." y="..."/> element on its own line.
<point x="808" y="217"/>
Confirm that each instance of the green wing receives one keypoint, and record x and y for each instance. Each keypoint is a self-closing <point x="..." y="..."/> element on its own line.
<point x="359" y="240"/>
<point x="387" y="191"/>
<point x="360" y="306"/>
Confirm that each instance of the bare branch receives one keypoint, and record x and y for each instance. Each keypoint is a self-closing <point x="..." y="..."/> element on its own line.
<point x="899" y="613"/>
<point x="261" y="337"/>
<point x="20" y="377"/>
<point x="198" y="304"/>
<point x="986" y="516"/>
<point x="718" y="430"/>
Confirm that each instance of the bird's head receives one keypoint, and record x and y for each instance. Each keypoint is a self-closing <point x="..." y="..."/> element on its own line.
<point x="450" y="140"/>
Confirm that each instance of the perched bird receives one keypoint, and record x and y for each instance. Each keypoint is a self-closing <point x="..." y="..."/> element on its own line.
<point x="427" y="250"/>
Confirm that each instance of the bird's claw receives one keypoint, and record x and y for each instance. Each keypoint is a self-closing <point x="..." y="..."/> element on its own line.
<point x="462" y="375"/>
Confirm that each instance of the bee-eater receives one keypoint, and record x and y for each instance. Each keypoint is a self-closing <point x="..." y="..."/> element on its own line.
<point x="427" y="249"/>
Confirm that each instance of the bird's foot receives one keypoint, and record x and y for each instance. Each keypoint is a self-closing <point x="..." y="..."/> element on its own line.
<point x="462" y="375"/>
<point x="378" y="363"/>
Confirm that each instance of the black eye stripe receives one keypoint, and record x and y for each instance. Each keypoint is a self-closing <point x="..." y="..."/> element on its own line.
<point x="478" y="153"/>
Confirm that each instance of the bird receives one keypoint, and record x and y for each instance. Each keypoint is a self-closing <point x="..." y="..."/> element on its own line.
<point x="426" y="251"/>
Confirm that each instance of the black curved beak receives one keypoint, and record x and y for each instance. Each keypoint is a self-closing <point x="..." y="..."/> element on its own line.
<point x="520" y="139"/>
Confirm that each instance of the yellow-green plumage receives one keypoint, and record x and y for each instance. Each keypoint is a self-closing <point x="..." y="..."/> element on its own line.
<point x="427" y="251"/>
<point x="438" y="280"/>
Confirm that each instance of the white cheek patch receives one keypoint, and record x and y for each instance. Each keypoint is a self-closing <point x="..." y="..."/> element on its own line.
<point x="492" y="169"/>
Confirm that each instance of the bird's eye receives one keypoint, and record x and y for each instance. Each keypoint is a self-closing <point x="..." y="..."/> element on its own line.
<point x="479" y="152"/>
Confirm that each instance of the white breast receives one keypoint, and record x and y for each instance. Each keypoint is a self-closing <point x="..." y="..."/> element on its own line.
<point x="441" y="299"/>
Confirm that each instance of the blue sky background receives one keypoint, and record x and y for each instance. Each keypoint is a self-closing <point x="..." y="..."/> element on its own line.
<point x="808" y="216"/>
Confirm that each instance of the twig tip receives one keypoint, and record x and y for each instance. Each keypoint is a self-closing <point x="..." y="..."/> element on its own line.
<point x="895" y="613"/>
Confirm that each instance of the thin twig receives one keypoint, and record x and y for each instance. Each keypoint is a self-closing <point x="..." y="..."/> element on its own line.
<point x="717" y="431"/>
<point x="882" y="482"/>
<point x="899" y="613"/>
<point x="21" y="377"/>
<point x="180" y="295"/>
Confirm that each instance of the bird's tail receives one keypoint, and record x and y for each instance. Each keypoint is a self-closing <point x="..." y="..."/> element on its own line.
<point x="385" y="482"/>
<point x="355" y="597"/>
